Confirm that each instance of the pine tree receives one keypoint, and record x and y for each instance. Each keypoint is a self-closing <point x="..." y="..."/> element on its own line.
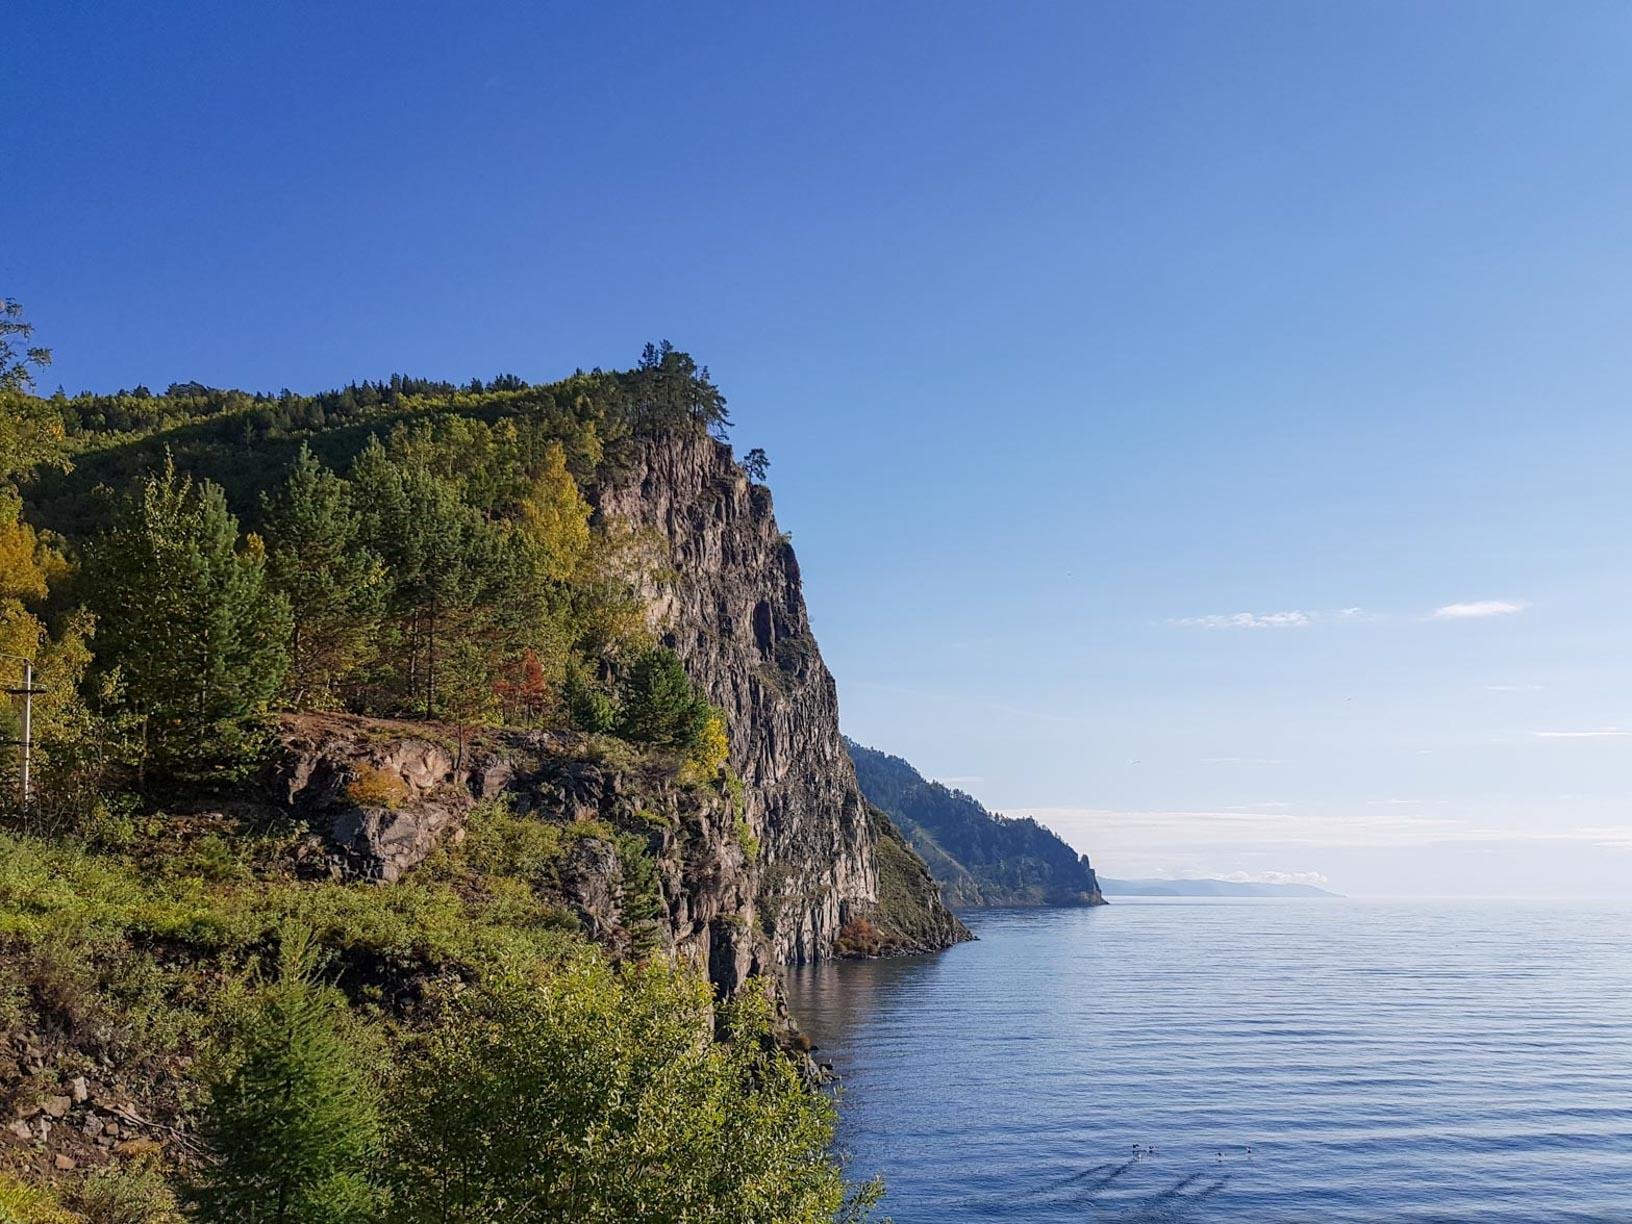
<point x="298" y="1115"/>
<point x="31" y="431"/>
<point x="657" y="704"/>
<point x="669" y="389"/>
<point x="425" y="536"/>
<point x="589" y="707"/>
<point x="16" y="358"/>
<point x="466" y="594"/>
<point x="184" y="612"/>
<point x="335" y="586"/>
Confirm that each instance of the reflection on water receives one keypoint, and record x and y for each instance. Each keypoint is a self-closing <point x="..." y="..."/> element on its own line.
<point x="1243" y="1061"/>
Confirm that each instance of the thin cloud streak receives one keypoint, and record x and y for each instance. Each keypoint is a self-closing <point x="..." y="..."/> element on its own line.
<point x="1480" y="609"/>
<point x="1102" y="831"/>
<point x="1295" y="618"/>
<point x="1236" y="877"/>
<point x="1273" y="877"/>
<point x="1247" y="620"/>
<point x="1601" y="733"/>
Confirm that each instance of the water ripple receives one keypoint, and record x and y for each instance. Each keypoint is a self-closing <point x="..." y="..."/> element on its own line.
<point x="1274" y="1062"/>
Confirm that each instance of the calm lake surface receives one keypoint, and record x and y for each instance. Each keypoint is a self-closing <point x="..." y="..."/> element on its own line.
<point x="1383" y="1061"/>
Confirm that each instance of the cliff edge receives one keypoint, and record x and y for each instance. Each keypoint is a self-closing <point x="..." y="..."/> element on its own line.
<point x="726" y="597"/>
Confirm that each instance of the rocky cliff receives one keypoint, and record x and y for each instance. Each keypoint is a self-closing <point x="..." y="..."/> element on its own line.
<point x="791" y="866"/>
<point x="978" y="857"/>
<point x="726" y="597"/>
<point x="649" y="861"/>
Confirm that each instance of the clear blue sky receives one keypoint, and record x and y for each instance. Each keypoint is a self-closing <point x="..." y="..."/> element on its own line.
<point x="1068" y="327"/>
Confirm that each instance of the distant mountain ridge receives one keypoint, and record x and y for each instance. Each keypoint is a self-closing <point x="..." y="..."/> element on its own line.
<point x="979" y="858"/>
<point x="1208" y="888"/>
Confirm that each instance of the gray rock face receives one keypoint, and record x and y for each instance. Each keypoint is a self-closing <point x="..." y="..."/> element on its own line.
<point x="324" y="762"/>
<point x="726" y="596"/>
<point x="705" y="907"/>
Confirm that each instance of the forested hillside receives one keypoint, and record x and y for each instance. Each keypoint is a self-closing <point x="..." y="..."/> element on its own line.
<point x="977" y="857"/>
<point x="419" y="809"/>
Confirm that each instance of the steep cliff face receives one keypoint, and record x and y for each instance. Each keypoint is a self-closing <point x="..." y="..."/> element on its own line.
<point x="726" y="596"/>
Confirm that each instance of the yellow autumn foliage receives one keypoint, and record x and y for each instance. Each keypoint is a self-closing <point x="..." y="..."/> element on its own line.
<point x="556" y="516"/>
<point x="707" y="757"/>
<point x="25" y="565"/>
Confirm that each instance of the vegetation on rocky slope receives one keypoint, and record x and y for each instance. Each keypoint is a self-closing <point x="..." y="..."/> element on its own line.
<point x="187" y="1014"/>
<point x="978" y="857"/>
<point x="909" y="915"/>
<point x="199" y="1017"/>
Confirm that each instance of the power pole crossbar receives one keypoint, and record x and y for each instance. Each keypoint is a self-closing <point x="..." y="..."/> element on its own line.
<point x="27" y="741"/>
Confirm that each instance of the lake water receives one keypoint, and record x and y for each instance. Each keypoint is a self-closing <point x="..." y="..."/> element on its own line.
<point x="1382" y="1062"/>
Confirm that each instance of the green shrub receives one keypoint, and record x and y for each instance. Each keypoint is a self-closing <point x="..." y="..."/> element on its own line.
<point x="589" y="707"/>
<point x="602" y="1096"/>
<point x="21" y="1203"/>
<point x="136" y="1195"/>
<point x="499" y="842"/>
<point x="295" y="1117"/>
<point x="740" y="828"/>
<point x="211" y="858"/>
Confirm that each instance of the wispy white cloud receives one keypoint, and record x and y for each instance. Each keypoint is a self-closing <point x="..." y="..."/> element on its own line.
<point x="1599" y="733"/>
<point x="1479" y="609"/>
<point x="1292" y="618"/>
<point x="1271" y="877"/>
<point x="1247" y="620"/>
<point x="1208" y="833"/>
<point x="1297" y="618"/>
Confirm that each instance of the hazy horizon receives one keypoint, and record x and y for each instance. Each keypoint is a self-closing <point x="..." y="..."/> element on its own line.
<point x="1202" y="428"/>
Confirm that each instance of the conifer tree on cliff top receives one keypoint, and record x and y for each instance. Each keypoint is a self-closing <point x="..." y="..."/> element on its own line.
<point x="184" y="611"/>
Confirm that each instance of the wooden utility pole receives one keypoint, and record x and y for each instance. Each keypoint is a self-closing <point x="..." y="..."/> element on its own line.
<point x="26" y="743"/>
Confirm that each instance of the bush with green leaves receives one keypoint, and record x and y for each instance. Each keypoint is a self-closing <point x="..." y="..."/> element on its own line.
<point x="22" y="1203"/>
<point x="601" y="1095"/>
<point x="136" y="1194"/>
<point x="589" y="706"/>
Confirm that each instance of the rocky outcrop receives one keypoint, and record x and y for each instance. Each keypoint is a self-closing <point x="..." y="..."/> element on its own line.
<point x="909" y="914"/>
<point x="724" y="593"/>
<point x="380" y="796"/>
